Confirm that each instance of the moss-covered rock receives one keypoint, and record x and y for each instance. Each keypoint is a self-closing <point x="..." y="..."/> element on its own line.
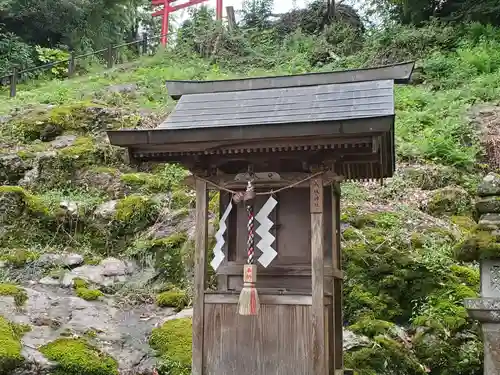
<point x="449" y="201"/>
<point x="78" y="117"/>
<point x="168" y="253"/>
<point x="488" y="205"/>
<point x="18" y="258"/>
<point x="173" y="342"/>
<point x="77" y="357"/>
<point x="12" y="169"/>
<point x="15" y="201"/>
<point x="478" y="245"/>
<point x="19" y="294"/>
<point x="145" y="182"/>
<point x="172" y="298"/>
<point x="88" y="294"/>
<point x="135" y="210"/>
<point x="385" y="357"/>
<point x="10" y="345"/>
<point x="79" y="283"/>
<point x="490" y="185"/>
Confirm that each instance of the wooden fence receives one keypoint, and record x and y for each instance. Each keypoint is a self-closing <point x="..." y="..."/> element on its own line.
<point x="143" y="45"/>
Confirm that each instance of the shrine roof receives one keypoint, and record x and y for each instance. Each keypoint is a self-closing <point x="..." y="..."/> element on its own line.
<point x="333" y="102"/>
<point x="220" y="116"/>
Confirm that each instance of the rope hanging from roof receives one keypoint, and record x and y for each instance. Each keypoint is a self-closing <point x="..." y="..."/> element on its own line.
<point x="238" y="196"/>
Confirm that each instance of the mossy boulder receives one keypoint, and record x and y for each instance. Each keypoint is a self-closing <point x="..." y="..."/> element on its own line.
<point x="478" y="245"/>
<point x="490" y="185"/>
<point x="488" y="205"/>
<point x="386" y="356"/>
<point x="77" y="357"/>
<point x="12" y="169"/>
<point x="429" y="176"/>
<point x="79" y="117"/>
<point x="172" y="298"/>
<point x="145" y="182"/>
<point x="449" y="201"/>
<point x="15" y="202"/>
<point x="11" y="290"/>
<point x="173" y="341"/>
<point x="10" y="345"/>
<point x="18" y="258"/>
<point x="168" y="253"/>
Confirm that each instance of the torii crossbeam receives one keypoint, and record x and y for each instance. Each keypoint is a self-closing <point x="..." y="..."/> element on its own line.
<point x="169" y="7"/>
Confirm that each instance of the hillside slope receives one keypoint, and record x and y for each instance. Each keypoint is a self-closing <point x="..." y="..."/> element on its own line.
<point x="90" y="247"/>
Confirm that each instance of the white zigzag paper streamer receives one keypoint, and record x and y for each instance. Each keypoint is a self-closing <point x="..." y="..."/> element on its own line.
<point x="219" y="236"/>
<point x="267" y="239"/>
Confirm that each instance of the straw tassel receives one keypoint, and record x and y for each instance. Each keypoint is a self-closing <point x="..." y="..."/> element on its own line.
<point x="248" y="303"/>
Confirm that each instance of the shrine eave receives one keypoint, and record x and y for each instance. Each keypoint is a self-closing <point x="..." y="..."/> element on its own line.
<point x="211" y="140"/>
<point x="400" y="73"/>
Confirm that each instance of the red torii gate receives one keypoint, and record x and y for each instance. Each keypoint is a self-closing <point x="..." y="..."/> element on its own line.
<point x="168" y="8"/>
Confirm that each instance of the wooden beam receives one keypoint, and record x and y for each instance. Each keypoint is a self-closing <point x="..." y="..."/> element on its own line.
<point x="320" y="344"/>
<point x="400" y="73"/>
<point x="337" y="343"/>
<point x="201" y="242"/>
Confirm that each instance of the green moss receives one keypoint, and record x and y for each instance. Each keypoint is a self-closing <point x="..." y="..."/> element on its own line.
<point x="173" y="343"/>
<point x="80" y="117"/>
<point x="465" y="223"/>
<point x="385" y="356"/>
<point x="83" y="146"/>
<point x="19" y="294"/>
<point x="79" y="283"/>
<point x="449" y="201"/>
<point x="351" y="234"/>
<point x="88" y="294"/>
<point x="168" y="253"/>
<point x="467" y="275"/>
<point x="31" y="204"/>
<point x="134" y="208"/>
<point x="10" y="345"/>
<point x="478" y="245"/>
<point x="182" y="199"/>
<point x="172" y="298"/>
<point x="77" y="357"/>
<point x="146" y="182"/>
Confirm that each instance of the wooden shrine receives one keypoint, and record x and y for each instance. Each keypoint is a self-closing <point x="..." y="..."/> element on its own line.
<point x="277" y="149"/>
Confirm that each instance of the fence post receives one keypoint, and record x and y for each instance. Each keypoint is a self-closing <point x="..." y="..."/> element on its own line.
<point x="71" y="64"/>
<point x="13" y="82"/>
<point x="145" y="43"/>
<point x="110" y="56"/>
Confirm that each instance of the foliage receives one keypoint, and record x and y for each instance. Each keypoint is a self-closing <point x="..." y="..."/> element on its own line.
<point x="13" y="53"/>
<point x="77" y="357"/>
<point x="50" y="55"/>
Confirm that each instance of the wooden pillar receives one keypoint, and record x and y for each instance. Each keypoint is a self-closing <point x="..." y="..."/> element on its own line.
<point x="319" y="348"/>
<point x="199" y="275"/>
<point x="337" y="283"/>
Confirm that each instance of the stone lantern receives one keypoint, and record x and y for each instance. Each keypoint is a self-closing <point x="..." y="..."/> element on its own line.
<point x="484" y="245"/>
